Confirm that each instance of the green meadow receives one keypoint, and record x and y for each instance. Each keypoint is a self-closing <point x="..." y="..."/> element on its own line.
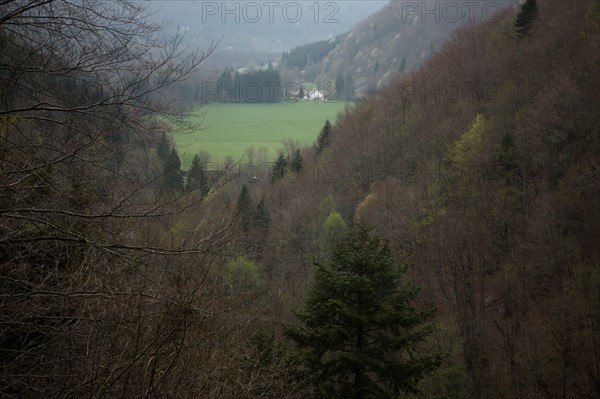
<point x="228" y="130"/>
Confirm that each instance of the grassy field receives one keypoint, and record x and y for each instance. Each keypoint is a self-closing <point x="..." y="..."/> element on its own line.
<point x="229" y="129"/>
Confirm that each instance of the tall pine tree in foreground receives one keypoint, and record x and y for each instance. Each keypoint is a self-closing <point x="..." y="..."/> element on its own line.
<point x="359" y="329"/>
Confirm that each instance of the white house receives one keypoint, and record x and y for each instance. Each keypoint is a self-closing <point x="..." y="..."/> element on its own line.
<point x="316" y="96"/>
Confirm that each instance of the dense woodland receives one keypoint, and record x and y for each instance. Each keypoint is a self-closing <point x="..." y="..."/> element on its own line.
<point x="123" y="276"/>
<point x="302" y="56"/>
<point x="260" y="86"/>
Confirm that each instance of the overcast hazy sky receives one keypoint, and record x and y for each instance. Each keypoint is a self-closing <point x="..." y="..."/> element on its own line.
<point x="262" y="25"/>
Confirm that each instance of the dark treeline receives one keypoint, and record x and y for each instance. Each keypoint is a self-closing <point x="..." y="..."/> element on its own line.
<point x="261" y="86"/>
<point x="302" y="56"/>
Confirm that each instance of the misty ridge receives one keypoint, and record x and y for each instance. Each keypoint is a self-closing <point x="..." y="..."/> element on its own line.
<point x="357" y="46"/>
<point x="266" y="26"/>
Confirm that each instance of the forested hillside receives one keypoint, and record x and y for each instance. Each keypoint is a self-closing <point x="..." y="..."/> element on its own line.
<point x="482" y="169"/>
<point x="440" y="240"/>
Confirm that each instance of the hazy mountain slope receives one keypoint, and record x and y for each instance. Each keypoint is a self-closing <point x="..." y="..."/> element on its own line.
<point x="398" y="38"/>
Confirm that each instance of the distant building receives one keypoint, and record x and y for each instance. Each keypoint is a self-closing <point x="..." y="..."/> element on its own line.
<point x="316" y="95"/>
<point x="293" y="93"/>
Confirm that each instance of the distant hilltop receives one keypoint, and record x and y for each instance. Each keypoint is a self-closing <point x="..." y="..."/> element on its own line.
<point x="397" y="39"/>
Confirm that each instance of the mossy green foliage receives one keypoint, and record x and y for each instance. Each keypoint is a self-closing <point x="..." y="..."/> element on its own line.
<point x="334" y="229"/>
<point x="242" y="275"/>
<point x="465" y="150"/>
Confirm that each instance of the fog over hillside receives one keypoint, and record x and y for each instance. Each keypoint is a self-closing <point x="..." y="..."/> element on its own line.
<point x="260" y="26"/>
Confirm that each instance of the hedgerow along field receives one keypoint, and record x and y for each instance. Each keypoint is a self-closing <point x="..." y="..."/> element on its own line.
<point x="227" y="130"/>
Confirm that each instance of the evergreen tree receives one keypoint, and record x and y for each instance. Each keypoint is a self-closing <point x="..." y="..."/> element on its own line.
<point x="163" y="149"/>
<point x="297" y="162"/>
<point x="324" y="137"/>
<point x="173" y="175"/>
<point x="359" y="330"/>
<point x="279" y="168"/>
<point x="244" y="208"/>
<point x="525" y="18"/>
<point x="196" y="177"/>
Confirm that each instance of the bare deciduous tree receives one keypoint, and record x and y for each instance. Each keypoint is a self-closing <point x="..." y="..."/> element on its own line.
<point x="105" y="290"/>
